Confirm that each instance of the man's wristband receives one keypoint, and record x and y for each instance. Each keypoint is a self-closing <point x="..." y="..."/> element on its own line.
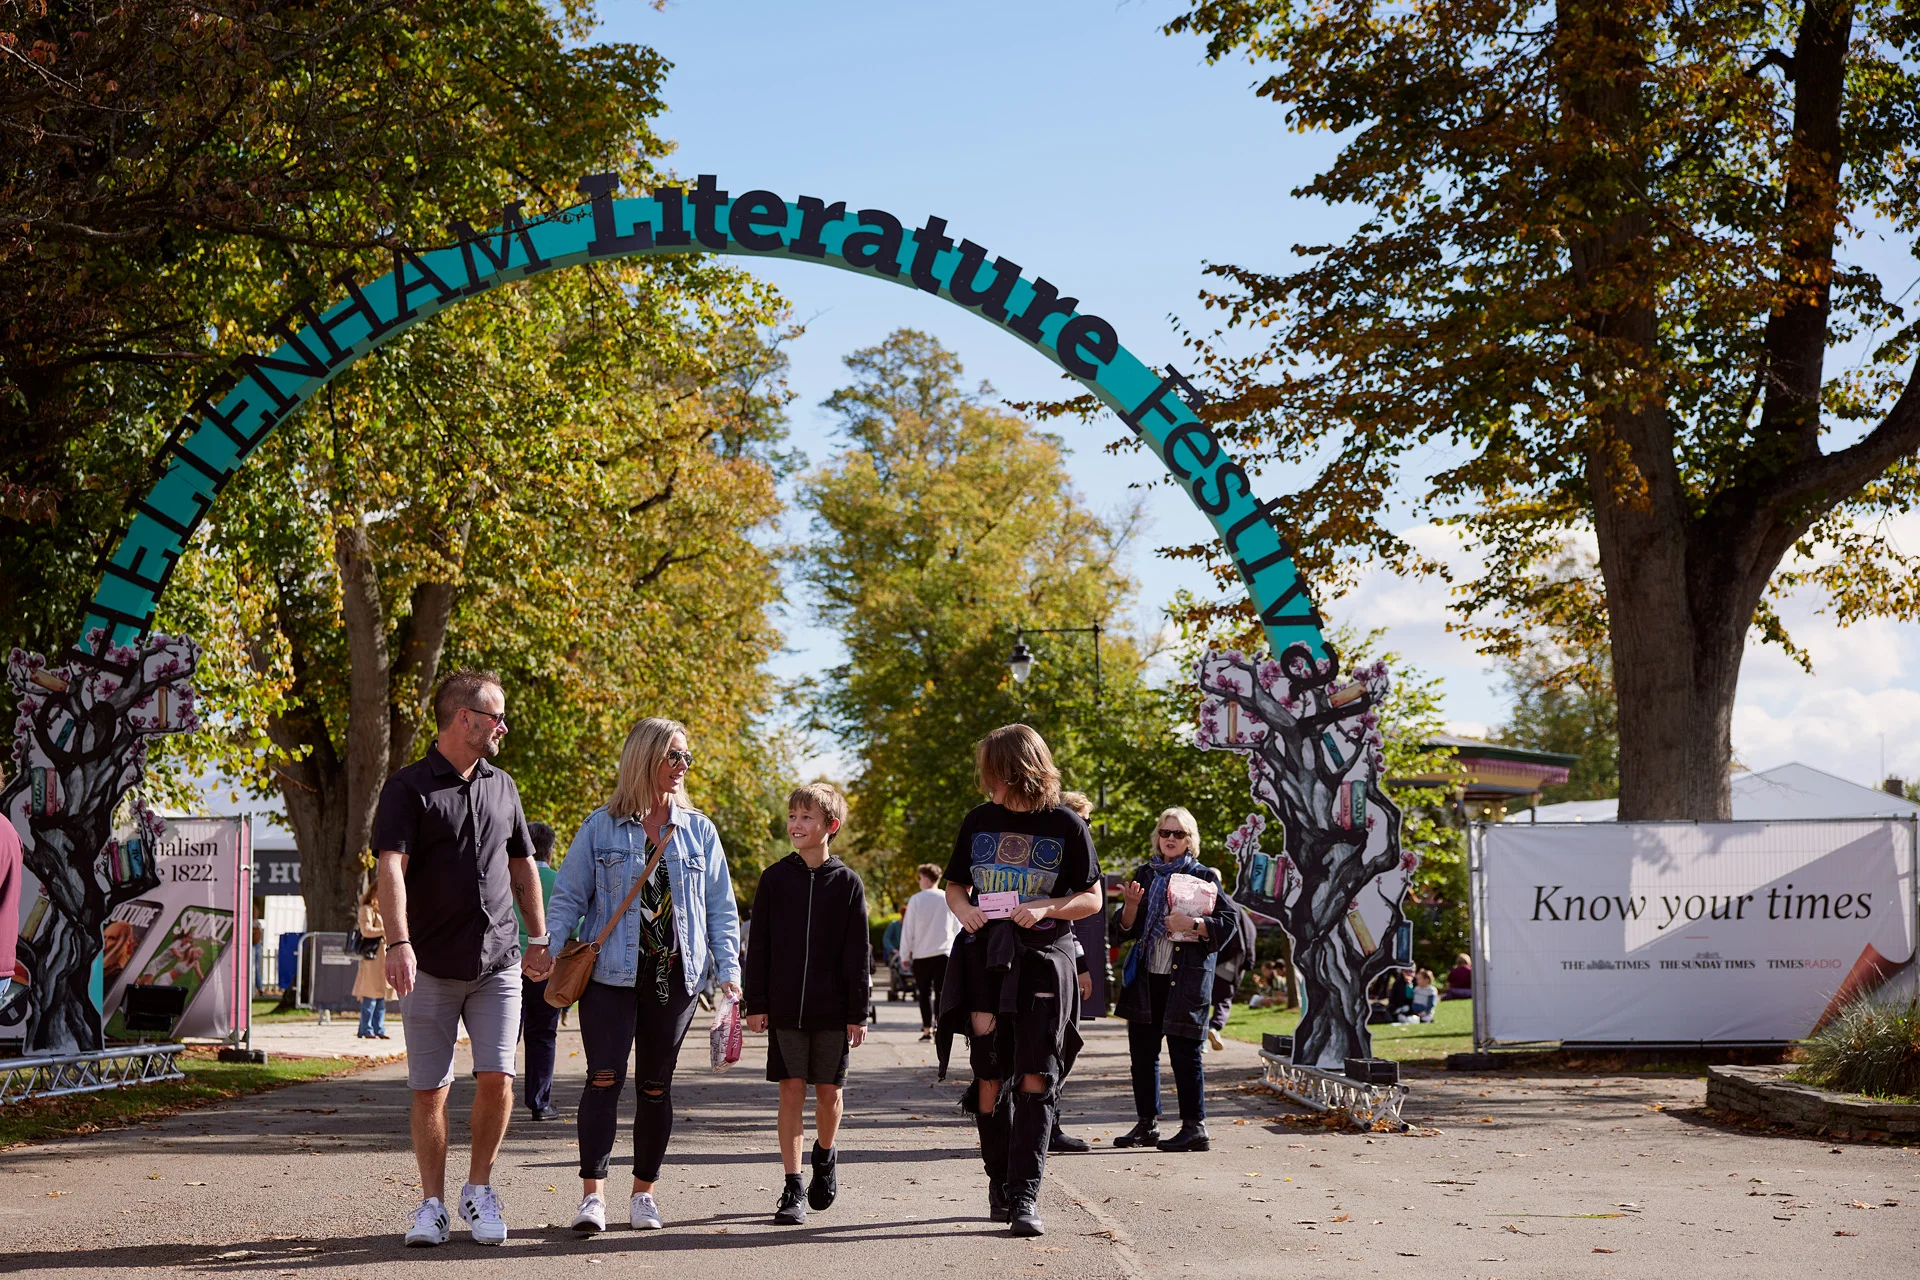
<point x="404" y="942"/>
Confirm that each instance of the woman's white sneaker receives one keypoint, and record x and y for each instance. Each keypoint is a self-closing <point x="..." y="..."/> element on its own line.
<point x="429" y="1224"/>
<point x="592" y="1214"/>
<point x="480" y="1209"/>
<point x="643" y="1213"/>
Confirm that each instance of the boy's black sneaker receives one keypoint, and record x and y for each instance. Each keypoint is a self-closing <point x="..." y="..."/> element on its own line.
<point x="1025" y="1209"/>
<point x="1192" y="1137"/>
<point x="1062" y="1141"/>
<point x="1144" y="1134"/>
<point x="793" y="1204"/>
<point x="997" y="1208"/>
<point x="826" y="1180"/>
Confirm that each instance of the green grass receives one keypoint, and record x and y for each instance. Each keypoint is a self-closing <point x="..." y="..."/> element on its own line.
<point x="263" y="1011"/>
<point x="207" y="1081"/>
<point x="1451" y="1031"/>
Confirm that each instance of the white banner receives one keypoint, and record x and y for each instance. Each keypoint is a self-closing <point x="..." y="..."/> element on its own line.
<point x="193" y="931"/>
<point x="1687" y="932"/>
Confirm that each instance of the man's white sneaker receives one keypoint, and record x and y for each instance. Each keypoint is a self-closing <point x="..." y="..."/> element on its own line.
<point x="429" y="1224"/>
<point x="1215" y="1041"/>
<point x="480" y="1210"/>
<point x="643" y="1213"/>
<point x="592" y="1214"/>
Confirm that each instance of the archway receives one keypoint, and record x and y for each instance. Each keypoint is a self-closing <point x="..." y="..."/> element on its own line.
<point x="1314" y="755"/>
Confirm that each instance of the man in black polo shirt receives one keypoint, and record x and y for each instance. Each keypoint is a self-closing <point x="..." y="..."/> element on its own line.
<point x="451" y="835"/>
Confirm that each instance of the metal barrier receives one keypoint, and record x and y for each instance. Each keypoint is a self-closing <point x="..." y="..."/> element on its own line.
<point x="1365" y="1104"/>
<point x="23" y="1078"/>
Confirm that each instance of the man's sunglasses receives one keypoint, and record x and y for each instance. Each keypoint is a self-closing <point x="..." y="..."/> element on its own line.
<point x="498" y="717"/>
<point x="1172" y="835"/>
<point x="682" y="758"/>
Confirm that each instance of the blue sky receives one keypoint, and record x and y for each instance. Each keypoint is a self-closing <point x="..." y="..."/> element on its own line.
<point x="1074" y="138"/>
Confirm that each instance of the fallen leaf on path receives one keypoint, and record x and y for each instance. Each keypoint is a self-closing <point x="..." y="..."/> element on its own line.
<point x="196" y="1184"/>
<point x="551" y="1187"/>
<point x="1342" y="1218"/>
<point x="1860" y="1204"/>
<point x="1846" y="1233"/>
<point x="1606" y="1251"/>
<point x="153" y="1175"/>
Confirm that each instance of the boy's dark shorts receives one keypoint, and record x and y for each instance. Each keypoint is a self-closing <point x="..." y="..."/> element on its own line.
<point x="818" y="1057"/>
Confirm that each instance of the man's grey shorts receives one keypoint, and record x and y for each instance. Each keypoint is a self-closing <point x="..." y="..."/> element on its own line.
<point x="431" y="1019"/>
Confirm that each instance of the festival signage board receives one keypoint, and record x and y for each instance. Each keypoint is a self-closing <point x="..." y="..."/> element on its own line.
<point x="1688" y="932"/>
<point x="191" y="932"/>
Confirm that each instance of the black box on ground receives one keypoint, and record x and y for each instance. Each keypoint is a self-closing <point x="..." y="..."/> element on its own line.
<point x="1373" y="1070"/>
<point x="1278" y="1045"/>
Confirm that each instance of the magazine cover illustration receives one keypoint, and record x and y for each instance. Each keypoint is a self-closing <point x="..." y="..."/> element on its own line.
<point x="127" y="927"/>
<point x="186" y="957"/>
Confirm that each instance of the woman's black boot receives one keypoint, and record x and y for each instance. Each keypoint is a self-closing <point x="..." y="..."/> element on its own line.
<point x="1192" y="1137"/>
<point x="1143" y="1134"/>
<point x="997" y="1206"/>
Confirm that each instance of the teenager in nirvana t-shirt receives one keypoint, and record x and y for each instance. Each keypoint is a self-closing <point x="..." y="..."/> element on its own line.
<point x="1044" y="854"/>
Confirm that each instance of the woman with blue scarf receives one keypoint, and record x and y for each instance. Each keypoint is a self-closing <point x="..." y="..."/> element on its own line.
<point x="1166" y="990"/>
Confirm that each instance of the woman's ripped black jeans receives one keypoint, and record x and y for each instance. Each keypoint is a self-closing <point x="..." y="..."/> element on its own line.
<point x="612" y="1021"/>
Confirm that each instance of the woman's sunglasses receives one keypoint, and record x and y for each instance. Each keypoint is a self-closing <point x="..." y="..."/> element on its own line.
<point x="1172" y="835"/>
<point x="682" y="758"/>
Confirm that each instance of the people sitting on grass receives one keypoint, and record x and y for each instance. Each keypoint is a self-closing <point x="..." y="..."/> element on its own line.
<point x="1425" y="998"/>
<point x="1460" y="979"/>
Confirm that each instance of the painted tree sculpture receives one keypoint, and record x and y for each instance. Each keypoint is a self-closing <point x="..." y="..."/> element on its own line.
<point x="1337" y="880"/>
<point x="80" y="745"/>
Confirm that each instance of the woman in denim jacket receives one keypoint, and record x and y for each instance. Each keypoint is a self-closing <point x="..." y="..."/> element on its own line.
<point x="681" y="930"/>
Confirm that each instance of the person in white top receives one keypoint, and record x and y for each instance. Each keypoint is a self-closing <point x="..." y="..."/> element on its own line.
<point x="927" y="930"/>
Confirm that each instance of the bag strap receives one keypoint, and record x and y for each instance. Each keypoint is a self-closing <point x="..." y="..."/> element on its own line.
<point x="652" y="863"/>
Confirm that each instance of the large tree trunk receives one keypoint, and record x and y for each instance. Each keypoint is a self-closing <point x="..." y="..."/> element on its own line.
<point x="332" y="792"/>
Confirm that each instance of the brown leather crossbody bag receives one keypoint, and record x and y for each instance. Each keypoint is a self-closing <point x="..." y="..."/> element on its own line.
<point x="573" y="967"/>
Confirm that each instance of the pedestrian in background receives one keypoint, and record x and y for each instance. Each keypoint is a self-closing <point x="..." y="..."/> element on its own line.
<point x="927" y="931"/>
<point x="455" y="854"/>
<point x="654" y="868"/>
<point x="539" y="1021"/>
<point x="370" y="984"/>
<point x="1166" y="992"/>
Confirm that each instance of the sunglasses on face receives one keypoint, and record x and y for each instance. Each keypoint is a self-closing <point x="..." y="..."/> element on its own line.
<point x="682" y="758"/>
<point x="1172" y="835"/>
<point x="498" y="717"/>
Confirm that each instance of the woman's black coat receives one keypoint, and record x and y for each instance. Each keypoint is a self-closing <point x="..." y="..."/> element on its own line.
<point x="1190" y="997"/>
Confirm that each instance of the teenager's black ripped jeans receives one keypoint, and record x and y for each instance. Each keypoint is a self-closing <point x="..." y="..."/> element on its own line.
<point x="612" y="1021"/>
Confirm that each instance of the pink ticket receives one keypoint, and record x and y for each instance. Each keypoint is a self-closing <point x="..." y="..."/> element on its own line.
<point x="998" y="906"/>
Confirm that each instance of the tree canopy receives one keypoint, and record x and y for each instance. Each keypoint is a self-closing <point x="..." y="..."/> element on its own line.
<point x="1606" y="256"/>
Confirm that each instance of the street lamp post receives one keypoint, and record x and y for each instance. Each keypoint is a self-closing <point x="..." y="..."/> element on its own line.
<point x="1020" y="663"/>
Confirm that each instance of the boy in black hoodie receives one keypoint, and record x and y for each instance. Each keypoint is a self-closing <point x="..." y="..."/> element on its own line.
<point x="806" y="983"/>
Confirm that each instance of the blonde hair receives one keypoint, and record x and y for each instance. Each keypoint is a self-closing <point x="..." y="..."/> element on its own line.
<point x="1186" y="824"/>
<point x="634" y="793"/>
<point x="1016" y="757"/>
<point x="1078" y="802"/>
<point x="823" y="798"/>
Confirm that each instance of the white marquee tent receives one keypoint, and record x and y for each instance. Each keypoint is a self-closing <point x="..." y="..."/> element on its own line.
<point x="1786" y="791"/>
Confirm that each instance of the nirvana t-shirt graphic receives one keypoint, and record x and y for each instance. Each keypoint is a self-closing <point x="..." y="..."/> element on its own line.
<point x="1046" y="854"/>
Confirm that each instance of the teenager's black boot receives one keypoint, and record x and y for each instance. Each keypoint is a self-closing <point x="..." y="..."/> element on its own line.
<point x="1143" y="1134"/>
<point x="793" y="1203"/>
<point x="997" y="1206"/>
<point x="826" y="1179"/>
<point x="1192" y="1137"/>
<point x="1025" y="1197"/>
<point x="1062" y="1141"/>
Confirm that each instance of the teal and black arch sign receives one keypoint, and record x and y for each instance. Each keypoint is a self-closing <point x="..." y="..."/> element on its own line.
<point x="258" y="392"/>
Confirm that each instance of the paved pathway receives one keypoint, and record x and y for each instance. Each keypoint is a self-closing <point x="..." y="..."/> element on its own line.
<point x="1515" y="1177"/>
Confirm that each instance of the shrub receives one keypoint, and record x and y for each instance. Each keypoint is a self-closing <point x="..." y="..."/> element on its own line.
<point x="1872" y="1047"/>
